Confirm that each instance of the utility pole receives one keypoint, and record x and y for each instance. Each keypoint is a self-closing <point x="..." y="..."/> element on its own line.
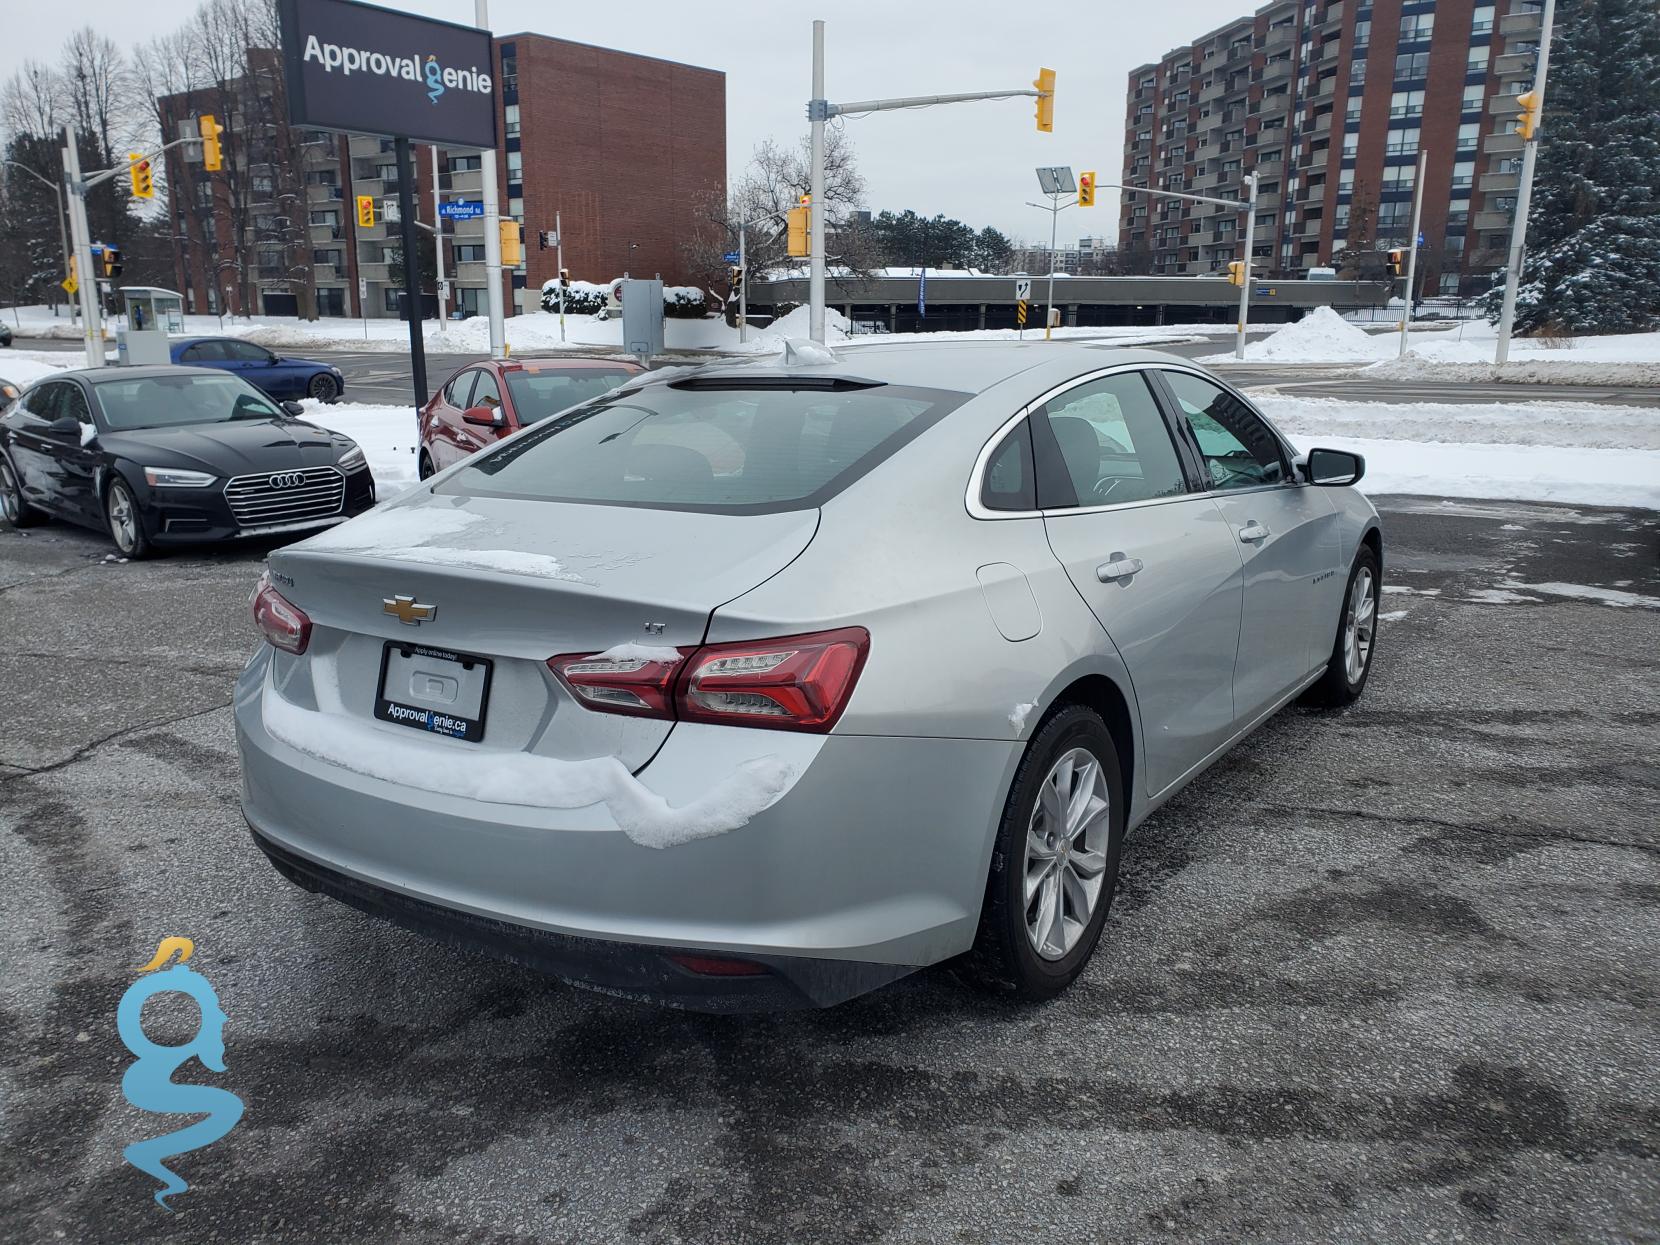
<point x="1524" y="192"/>
<point x="411" y="269"/>
<point x="559" y="259"/>
<point x="743" y="281"/>
<point x="819" y="111"/>
<point x="492" y="225"/>
<point x="1412" y="259"/>
<point x="438" y="236"/>
<point x="86" y="278"/>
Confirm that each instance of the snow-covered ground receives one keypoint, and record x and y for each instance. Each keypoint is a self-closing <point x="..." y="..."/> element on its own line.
<point x="1460" y="352"/>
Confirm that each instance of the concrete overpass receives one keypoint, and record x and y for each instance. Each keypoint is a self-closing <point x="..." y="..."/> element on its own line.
<point x="957" y="302"/>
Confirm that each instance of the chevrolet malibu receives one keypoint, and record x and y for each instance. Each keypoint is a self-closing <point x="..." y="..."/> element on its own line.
<point x="755" y="686"/>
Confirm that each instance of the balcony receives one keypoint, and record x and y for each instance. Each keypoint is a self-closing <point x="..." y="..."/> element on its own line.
<point x="1504" y="106"/>
<point x="1513" y="63"/>
<point x="1211" y="90"/>
<point x="1524" y="23"/>
<point x="1500" y="181"/>
<point x="1276" y="71"/>
<point x="1499" y="144"/>
<point x="1332" y="20"/>
<point x="1281" y="37"/>
<point x="1322" y="125"/>
<point x="1490" y="222"/>
<point x="327" y="233"/>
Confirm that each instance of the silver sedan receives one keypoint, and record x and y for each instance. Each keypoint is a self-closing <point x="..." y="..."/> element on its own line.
<point x="762" y="685"/>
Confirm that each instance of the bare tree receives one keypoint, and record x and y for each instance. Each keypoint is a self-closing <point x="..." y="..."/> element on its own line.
<point x="30" y="102"/>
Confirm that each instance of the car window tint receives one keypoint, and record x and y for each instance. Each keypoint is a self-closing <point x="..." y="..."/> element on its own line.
<point x="536" y="395"/>
<point x="73" y="404"/>
<point x="247" y="352"/>
<point x="42" y="401"/>
<point x="732" y="450"/>
<point x="1114" y="444"/>
<point x="485" y="391"/>
<point x="207" y="352"/>
<point x="455" y="393"/>
<point x="1238" y="448"/>
<point x="1009" y="483"/>
<point x="201" y="396"/>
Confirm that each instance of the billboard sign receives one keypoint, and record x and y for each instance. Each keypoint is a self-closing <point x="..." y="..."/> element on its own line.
<point x="368" y="70"/>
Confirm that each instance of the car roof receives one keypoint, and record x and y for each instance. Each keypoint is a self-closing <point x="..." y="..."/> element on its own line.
<point x="967" y="367"/>
<point x="564" y="363"/>
<point x="107" y="375"/>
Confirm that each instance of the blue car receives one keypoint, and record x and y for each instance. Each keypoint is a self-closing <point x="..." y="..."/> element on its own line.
<point x="278" y="376"/>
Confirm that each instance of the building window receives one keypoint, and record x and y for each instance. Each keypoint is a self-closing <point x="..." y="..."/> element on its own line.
<point x="466" y="164"/>
<point x="1345" y="181"/>
<point x="1458" y="212"/>
<point x="1474" y="95"/>
<point x="1340" y="220"/>
<point x="1403" y="142"/>
<point x="1406" y="104"/>
<point x="387" y="173"/>
<point x="1469" y="134"/>
<point x="323" y="177"/>
<point x="515" y="166"/>
<point x="1357" y="73"/>
<point x="327" y="216"/>
<point x="1463" y="172"/>
<point x="326" y="257"/>
<point x="1478" y="58"/>
<point x="1363" y="34"/>
<point x="510" y="73"/>
<point x="1399" y="177"/>
<point x="510" y="115"/>
<point x="1351" y="144"/>
<point x="1411" y="65"/>
<point x="469" y="254"/>
<point x="1454" y="245"/>
<point x="1417" y="28"/>
<point x="1481" y="20"/>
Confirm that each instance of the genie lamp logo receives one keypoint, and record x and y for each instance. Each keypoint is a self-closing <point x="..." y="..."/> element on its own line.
<point x="148" y="1084"/>
<point x="435" y="78"/>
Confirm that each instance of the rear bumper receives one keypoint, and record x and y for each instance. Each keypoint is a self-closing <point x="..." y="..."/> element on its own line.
<point x="872" y="864"/>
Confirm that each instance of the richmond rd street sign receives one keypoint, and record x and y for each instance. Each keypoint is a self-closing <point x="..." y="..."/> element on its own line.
<point x="369" y="70"/>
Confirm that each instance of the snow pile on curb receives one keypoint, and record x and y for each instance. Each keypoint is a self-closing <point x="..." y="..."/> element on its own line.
<point x="1422" y="365"/>
<point x="387" y="435"/>
<point x="798" y="323"/>
<point x="1322" y="336"/>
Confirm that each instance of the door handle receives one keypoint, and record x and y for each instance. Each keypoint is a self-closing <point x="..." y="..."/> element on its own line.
<point x="1253" y="532"/>
<point x="1120" y="567"/>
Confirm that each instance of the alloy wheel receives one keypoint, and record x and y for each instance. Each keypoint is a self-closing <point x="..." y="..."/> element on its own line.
<point x="11" y="502"/>
<point x="1360" y="624"/>
<point x="123" y="519"/>
<point x="321" y="387"/>
<point x="1066" y="853"/>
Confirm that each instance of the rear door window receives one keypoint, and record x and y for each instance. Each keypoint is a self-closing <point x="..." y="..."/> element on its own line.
<point x="736" y="447"/>
<point x="1113" y="444"/>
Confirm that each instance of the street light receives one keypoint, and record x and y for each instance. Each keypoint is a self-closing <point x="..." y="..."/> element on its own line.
<point x="1054" y="181"/>
<point x="57" y="198"/>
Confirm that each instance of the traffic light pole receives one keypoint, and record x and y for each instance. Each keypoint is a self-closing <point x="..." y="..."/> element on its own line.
<point x="86" y="280"/>
<point x="1524" y="195"/>
<point x="492" y="224"/>
<point x="438" y="237"/>
<point x="1250" y="206"/>
<point x="819" y="111"/>
<point x="1412" y="262"/>
<point x="411" y="269"/>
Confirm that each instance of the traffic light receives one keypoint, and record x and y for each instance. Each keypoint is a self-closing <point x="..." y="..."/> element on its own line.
<point x="1236" y="272"/>
<point x="1086" y="190"/>
<point x="735" y="275"/>
<point x="209" y="130"/>
<point x="1527" y="125"/>
<point x="143" y="180"/>
<point x="799" y="220"/>
<point x="1396" y="261"/>
<point x="1045" y="83"/>
<point x="541" y="239"/>
<point x="112" y="262"/>
<point x="512" y="243"/>
<point x="565" y="277"/>
<point x="365" y="211"/>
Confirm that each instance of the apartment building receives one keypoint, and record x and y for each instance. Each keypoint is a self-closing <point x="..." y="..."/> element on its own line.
<point x="1329" y="102"/>
<point x="625" y="152"/>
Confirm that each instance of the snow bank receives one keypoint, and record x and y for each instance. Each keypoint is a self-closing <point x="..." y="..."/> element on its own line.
<point x="1322" y="336"/>
<point x="1587" y="425"/>
<point x="1561" y="370"/>
<point x="25" y="367"/>
<point x="496" y="776"/>
<point x="386" y="434"/>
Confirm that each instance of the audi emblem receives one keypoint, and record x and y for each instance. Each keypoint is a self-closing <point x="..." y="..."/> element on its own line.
<point x="287" y="479"/>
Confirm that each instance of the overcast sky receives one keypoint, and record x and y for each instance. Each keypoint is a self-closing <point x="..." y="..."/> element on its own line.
<point x="970" y="161"/>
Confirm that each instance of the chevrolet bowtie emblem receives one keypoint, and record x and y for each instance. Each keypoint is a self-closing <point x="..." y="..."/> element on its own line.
<point x="408" y="610"/>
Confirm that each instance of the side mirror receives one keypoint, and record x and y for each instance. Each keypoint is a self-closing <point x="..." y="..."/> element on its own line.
<point x="66" y="429"/>
<point x="273" y="360"/>
<point x="294" y="409"/>
<point x="485" y="416"/>
<point x="1333" y="468"/>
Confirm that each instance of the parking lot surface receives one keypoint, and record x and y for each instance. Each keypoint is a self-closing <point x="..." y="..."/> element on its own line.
<point x="1388" y="974"/>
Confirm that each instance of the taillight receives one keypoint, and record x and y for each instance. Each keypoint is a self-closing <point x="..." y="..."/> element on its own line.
<point x="639" y="685"/>
<point x="792" y="683"/>
<point x="798" y="683"/>
<point x="283" y="623"/>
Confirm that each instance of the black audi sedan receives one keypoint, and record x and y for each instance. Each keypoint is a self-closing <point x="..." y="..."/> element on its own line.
<point x="173" y="455"/>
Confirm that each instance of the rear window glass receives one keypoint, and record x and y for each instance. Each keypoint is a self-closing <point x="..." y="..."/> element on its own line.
<point x="536" y="395"/>
<point x="739" y="450"/>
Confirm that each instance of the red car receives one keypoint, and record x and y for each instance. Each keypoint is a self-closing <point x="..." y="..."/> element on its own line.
<point x="486" y="401"/>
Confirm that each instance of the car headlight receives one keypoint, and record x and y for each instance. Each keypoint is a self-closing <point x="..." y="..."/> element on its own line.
<point x="352" y="459"/>
<point x="338" y="374"/>
<point x="173" y="477"/>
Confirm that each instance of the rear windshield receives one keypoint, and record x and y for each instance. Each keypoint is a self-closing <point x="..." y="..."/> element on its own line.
<point x="737" y="450"/>
<point x="171" y="400"/>
<point x="536" y="395"/>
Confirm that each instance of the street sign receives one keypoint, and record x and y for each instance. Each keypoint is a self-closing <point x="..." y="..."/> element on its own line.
<point x="731" y="257"/>
<point x="1020" y="313"/>
<point x="461" y="209"/>
<point x="362" y="288"/>
<point x="70" y="285"/>
<point x="1022" y="289"/>
<point x="443" y="289"/>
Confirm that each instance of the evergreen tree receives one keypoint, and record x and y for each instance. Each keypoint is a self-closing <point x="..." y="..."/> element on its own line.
<point x="1593" y="258"/>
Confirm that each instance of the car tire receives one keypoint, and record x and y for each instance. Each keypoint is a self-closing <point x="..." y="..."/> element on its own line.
<point x="125" y="525"/>
<point x="1005" y="958"/>
<point x="322" y="387"/>
<point x="424" y="469"/>
<point x="1356" y="644"/>
<point x="13" y="508"/>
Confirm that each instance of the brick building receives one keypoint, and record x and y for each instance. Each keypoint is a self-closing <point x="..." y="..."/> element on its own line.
<point x="628" y="150"/>
<point x="1263" y="93"/>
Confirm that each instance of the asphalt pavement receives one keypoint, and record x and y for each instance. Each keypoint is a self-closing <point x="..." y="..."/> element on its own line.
<point x="1385" y="974"/>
